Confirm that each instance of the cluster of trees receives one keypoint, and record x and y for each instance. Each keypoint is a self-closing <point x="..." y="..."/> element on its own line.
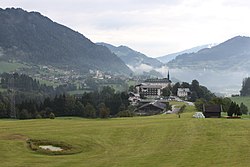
<point x="90" y="105"/>
<point x="26" y="88"/>
<point x="197" y="90"/>
<point x="228" y="106"/>
<point x="23" y="82"/>
<point x="245" y="90"/>
<point x="5" y="106"/>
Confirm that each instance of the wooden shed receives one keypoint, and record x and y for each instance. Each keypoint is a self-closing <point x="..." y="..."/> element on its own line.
<point x="151" y="108"/>
<point x="212" y="111"/>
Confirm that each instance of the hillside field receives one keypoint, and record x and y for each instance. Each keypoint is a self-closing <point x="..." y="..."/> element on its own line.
<point x="240" y="99"/>
<point x="9" y="67"/>
<point x="159" y="141"/>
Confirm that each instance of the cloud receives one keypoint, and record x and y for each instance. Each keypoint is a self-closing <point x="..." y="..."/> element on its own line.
<point x="141" y="68"/>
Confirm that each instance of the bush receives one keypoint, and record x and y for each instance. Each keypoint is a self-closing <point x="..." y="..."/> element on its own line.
<point x="38" y="116"/>
<point x="125" y="113"/>
<point x="52" y="115"/>
<point x="24" y="114"/>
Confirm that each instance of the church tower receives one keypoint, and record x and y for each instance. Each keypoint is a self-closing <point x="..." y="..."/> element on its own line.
<point x="168" y="76"/>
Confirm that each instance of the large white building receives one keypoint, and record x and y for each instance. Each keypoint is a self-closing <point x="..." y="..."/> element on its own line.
<point x="153" y="87"/>
<point x="149" y="90"/>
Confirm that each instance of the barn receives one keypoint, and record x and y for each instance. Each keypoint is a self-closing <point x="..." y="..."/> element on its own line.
<point x="212" y="111"/>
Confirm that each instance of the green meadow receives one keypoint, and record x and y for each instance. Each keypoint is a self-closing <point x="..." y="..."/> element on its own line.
<point x="9" y="67"/>
<point x="159" y="141"/>
<point x="240" y="99"/>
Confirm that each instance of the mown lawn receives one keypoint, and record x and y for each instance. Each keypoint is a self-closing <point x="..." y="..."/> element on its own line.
<point x="155" y="141"/>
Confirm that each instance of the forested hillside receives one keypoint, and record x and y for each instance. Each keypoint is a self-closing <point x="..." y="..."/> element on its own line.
<point x="34" y="38"/>
<point x="132" y="57"/>
<point x="233" y="54"/>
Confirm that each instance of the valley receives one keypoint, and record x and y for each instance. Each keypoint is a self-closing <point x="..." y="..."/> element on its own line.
<point x="124" y="83"/>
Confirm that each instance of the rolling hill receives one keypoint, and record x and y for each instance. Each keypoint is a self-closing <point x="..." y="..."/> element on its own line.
<point x="33" y="38"/>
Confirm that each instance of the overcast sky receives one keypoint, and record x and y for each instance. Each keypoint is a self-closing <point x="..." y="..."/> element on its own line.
<point x="153" y="27"/>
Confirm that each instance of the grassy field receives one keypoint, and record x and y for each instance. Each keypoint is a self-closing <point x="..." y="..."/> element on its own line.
<point x="8" y="67"/>
<point x="158" y="141"/>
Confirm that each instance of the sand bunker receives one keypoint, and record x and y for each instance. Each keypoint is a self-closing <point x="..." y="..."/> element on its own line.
<point x="51" y="148"/>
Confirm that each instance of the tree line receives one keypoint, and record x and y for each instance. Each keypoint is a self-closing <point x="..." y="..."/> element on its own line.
<point x="197" y="91"/>
<point x="90" y="105"/>
<point x="228" y="106"/>
<point x="26" y="88"/>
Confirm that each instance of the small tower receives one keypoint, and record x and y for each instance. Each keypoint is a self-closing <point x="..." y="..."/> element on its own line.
<point x="168" y="76"/>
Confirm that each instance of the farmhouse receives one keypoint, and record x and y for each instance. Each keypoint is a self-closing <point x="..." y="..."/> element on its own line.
<point x="152" y="108"/>
<point x="134" y="98"/>
<point x="212" y="111"/>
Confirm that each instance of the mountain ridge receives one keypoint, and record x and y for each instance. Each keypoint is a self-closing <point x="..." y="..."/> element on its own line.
<point x="134" y="59"/>
<point x="221" y="68"/>
<point x="227" y="55"/>
<point x="34" y="38"/>
<point x="125" y="52"/>
<point x="167" y="58"/>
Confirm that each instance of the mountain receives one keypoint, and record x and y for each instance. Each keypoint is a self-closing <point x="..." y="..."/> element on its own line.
<point x="233" y="54"/>
<point x="169" y="57"/>
<point x="33" y="38"/>
<point x="135" y="60"/>
<point x="221" y="68"/>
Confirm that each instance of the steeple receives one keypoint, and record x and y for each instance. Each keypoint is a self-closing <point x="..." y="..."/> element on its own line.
<point x="168" y="76"/>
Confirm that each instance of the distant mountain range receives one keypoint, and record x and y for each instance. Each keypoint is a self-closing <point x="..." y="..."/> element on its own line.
<point x="233" y="54"/>
<point x="134" y="59"/>
<point x="221" y="68"/>
<point x="33" y="38"/>
<point x="172" y="56"/>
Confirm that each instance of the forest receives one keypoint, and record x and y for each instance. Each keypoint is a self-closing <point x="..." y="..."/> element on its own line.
<point x="90" y="105"/>
<point x="35" y="100"/>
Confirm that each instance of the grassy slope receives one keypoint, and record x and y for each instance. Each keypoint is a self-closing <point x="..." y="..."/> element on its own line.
<point x="8" y="67"/>
<point x="245" y="100"/>
<point x="163" y="140"/>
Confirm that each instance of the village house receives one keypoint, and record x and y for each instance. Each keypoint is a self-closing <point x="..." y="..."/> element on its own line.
<point x="183" y="92"/>
<point x="134" y="98"/>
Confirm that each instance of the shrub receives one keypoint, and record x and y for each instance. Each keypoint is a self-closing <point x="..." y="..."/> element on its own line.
<point x="52" y="115"/>
<point x="24" y="114"/>
<point x="125" y="113"/>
